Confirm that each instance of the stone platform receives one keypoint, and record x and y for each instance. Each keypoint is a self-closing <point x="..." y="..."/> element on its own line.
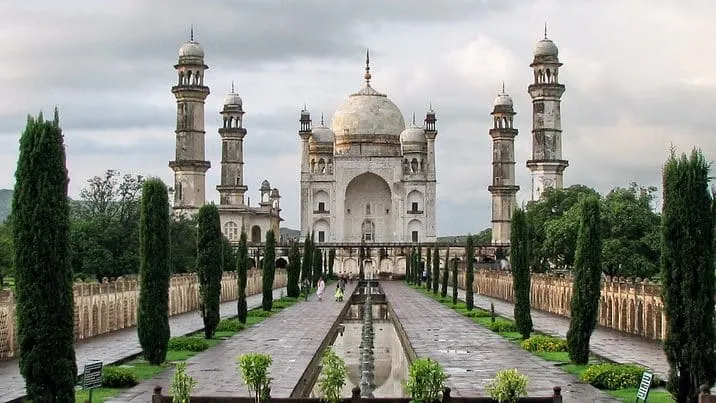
<point x="472" y="354"/>
<point x="291" y="336"/>
<point x="117" y="346"/>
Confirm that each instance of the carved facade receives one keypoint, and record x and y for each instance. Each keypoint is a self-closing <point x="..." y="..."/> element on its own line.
<point x="106" y="307"/>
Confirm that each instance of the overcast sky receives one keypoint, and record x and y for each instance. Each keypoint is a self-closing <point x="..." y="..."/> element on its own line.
<point x="639" y="77"/>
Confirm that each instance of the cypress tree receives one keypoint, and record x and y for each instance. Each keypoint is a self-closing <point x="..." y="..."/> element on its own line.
<point x="436" y="269"/>
<point x="294" y="271"/>
<point x="446" y="275"/>
<point x="428" y="267"/>
<point x="470" y="272"/>
<point x="307" y="263"/>
<point x="269" y="270"/>
<point x="519" y="258"/>
<point x="586" y="289"/>
<point x="408" y="264"/>
<point x="361" y="258"/>
<point x="317" y="265"/>
<point x="208" y="265"/>
<point x="687" y="274"/>
<point x="242" y="268"/>
<point x="454" y="281"/>
<point x="41" y="223"/>
<point x="331" y="261"/>
<point x="154" y="271"/>
<point x="419" y="266"/>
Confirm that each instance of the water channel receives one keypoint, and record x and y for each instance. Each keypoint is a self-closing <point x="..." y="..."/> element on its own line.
<point x="382" y="371"/>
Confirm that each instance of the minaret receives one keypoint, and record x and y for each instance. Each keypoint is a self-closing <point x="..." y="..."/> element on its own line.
<point x="503" y="188"/>
<point x="546" y="164"/>
<point x="305" y="132"/>
<point x="431" y="132"/>
<point x="232" y="189"/>
<point x="190" y="163"/>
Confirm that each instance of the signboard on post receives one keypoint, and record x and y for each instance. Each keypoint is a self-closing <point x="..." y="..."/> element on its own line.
<point x="92" y="377"/>
<point x="644" y="386"/>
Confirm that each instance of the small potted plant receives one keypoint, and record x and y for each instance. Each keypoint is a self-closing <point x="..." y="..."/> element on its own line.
<point x="333" y="376"/>
<point x="508" y="386"/>
<point x="254" y="369"/>
<point x="426" y="381"/>
<point x="182" y="385"/>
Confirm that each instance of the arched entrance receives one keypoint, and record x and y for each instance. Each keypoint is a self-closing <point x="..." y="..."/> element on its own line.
<point x="368" y="211"/>
<point x="256" y="234"/>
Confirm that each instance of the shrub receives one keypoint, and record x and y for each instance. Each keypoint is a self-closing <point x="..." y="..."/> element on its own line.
<point x="547" y="344"/>
<point x="508" y="386"/>
<point x="254" y="369"/>
<point x="118" y="377"/>
<point x="230" y="325"/>
<point x="426" y="380"/>
<point x="185" y="343"/>
<point x="182" y="385"/>
<point x="333" y="376"/>
<point x="614" y="376"/>
<point x="502" y="325"/>
<point x="477" y="313"/>
<point x="257" y="313"/>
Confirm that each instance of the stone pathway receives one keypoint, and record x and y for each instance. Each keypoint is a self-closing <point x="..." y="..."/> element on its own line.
<point x="116" y="346"/>
<point x="472" y="354"/>
<point x="611" y="344"/>
<point x="291" y="337"/>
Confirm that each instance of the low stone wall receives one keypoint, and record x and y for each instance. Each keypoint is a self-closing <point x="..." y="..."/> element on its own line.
<point x="626" y="305"/>
<point x="109" y="306"/>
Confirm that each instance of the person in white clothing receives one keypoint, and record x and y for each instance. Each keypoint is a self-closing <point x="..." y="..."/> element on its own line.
<point x="321" y="288"/>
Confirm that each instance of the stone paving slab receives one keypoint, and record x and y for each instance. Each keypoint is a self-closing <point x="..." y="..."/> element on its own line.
<point x="472" y="354"/>
<point x="118" y="345"/>
<point x="292" y="337"/>
<point x="611" y="344"/>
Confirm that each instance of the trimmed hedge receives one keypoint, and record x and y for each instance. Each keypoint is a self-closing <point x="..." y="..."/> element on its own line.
<point x="118" y="377"/>
<point x="501" y="325"/>
<point x="546" y="344"/>
<point x="230" y="325"/>
<point x="257" y="313"/>
<point x="614" y="376"/>
<point x="186" y="343"/>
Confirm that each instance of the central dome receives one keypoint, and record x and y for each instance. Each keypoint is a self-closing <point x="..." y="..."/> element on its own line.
<point x="368" y="112"/>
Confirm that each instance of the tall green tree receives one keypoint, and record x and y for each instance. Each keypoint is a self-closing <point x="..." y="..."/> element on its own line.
<point x="436" y="269"/>
<point x="183" y="244"/>
<point x="41" y="223"/>
<point x="408" y="266"/>
<point x="483" y="237"/>
<point x="269" y="271"/>
<point x="446" y="275"/>
<point x="294" y="271"/>
<point x="419" y="266"/>
<point x="361" y="258"/>
<point x="209" y="259"/>
<point x="687" y="272"/>
<point x="331" y="261"/>
<point x="454" y="280"/>
<point x="154" y="274"/>
<point x="317" y="265"/>
<point x="469" y="273"/>
<point x="242" y="268"/>
<point x="428" y="268"/>
<point x="586" y="289"/>
<point x="307" y="263"/>
<point x="519" y="259"/>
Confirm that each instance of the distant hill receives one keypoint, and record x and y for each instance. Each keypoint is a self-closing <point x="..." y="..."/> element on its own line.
<point x="288" y="234"/>
<point x="5" y="203"/>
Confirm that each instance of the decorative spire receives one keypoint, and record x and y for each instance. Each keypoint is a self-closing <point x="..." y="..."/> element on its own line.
<point x="413" y="117"/>
<point x="322" y="119"/>
<point x="305" y="107"/>
<point x="545" y="30"/>
<point x="191" y="33"/>
<point x="232" y="87"/>
<point x="503" y="86"/>
<point x="367" y="75"/>
<point x="430" y="105"/>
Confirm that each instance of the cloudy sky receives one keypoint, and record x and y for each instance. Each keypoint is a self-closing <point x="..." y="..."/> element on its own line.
<point x="639" y="77"/>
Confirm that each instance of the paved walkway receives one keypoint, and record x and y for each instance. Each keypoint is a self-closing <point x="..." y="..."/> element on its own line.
<point x="611" y="344"/>
<point x="291" y="337"/>
<point x="116" y="346"/>
<point x="472" y="354"/>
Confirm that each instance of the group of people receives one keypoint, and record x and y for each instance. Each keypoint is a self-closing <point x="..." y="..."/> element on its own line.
<point x="340" y="287"/>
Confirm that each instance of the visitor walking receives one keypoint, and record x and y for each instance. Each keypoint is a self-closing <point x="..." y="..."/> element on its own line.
<point x="339" y="294"/>
<point x="321" y="288"/>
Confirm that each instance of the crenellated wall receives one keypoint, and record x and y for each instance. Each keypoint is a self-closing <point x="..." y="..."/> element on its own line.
<point x="630" y="306"/>
<point x="109" y="306"/>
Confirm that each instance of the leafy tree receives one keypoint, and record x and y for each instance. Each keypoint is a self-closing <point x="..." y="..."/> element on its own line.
<point x="687" y="271"/>
<point x="307" y="264"/>
<point x="519" y="259"/>
<point x="408" y="266"/>
<point x="331" y="261"/>
<point x="436" y="269"/>
<point x="183" y="230"/>
<point x="7" y="250"/>
<point x="428" y="267"/>
<point x="586" y="289"/>
<point x="269" y="270"/>
<point x="294" y="271"/>
<point x="454" y="280"/>
<point x="242" y="268"/>
<point x="419" y="266"/>
<point x="317" y="265"/>
<point x="483" y="237"/>
<point x="209" y="260"/>
<point x="446" y="275"/>
<point x="154" y="275"/>
<point x="44" y="276"/>
<point x="469" y="273"/>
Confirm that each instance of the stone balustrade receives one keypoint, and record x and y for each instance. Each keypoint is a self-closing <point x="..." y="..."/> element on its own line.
<point x="627" y="305"/>
<point x="109" y="306"/>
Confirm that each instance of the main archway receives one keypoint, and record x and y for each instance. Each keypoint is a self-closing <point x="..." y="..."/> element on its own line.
<point x="368" y="213"/>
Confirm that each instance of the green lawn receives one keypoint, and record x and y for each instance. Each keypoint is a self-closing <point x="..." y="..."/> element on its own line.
<point x="658" y="395"/>
<point x="145" y="371"/>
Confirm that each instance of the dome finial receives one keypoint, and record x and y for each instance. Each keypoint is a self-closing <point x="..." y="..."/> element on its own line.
<point x="503" y="86"/>
<point x="232" y="86"/>
<point x="191" y="33"/>
<point x="545" y="30"/>
<point x="367" y="75"/>
<point x="322" y="119"/>
<point x="413" y="117"/>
